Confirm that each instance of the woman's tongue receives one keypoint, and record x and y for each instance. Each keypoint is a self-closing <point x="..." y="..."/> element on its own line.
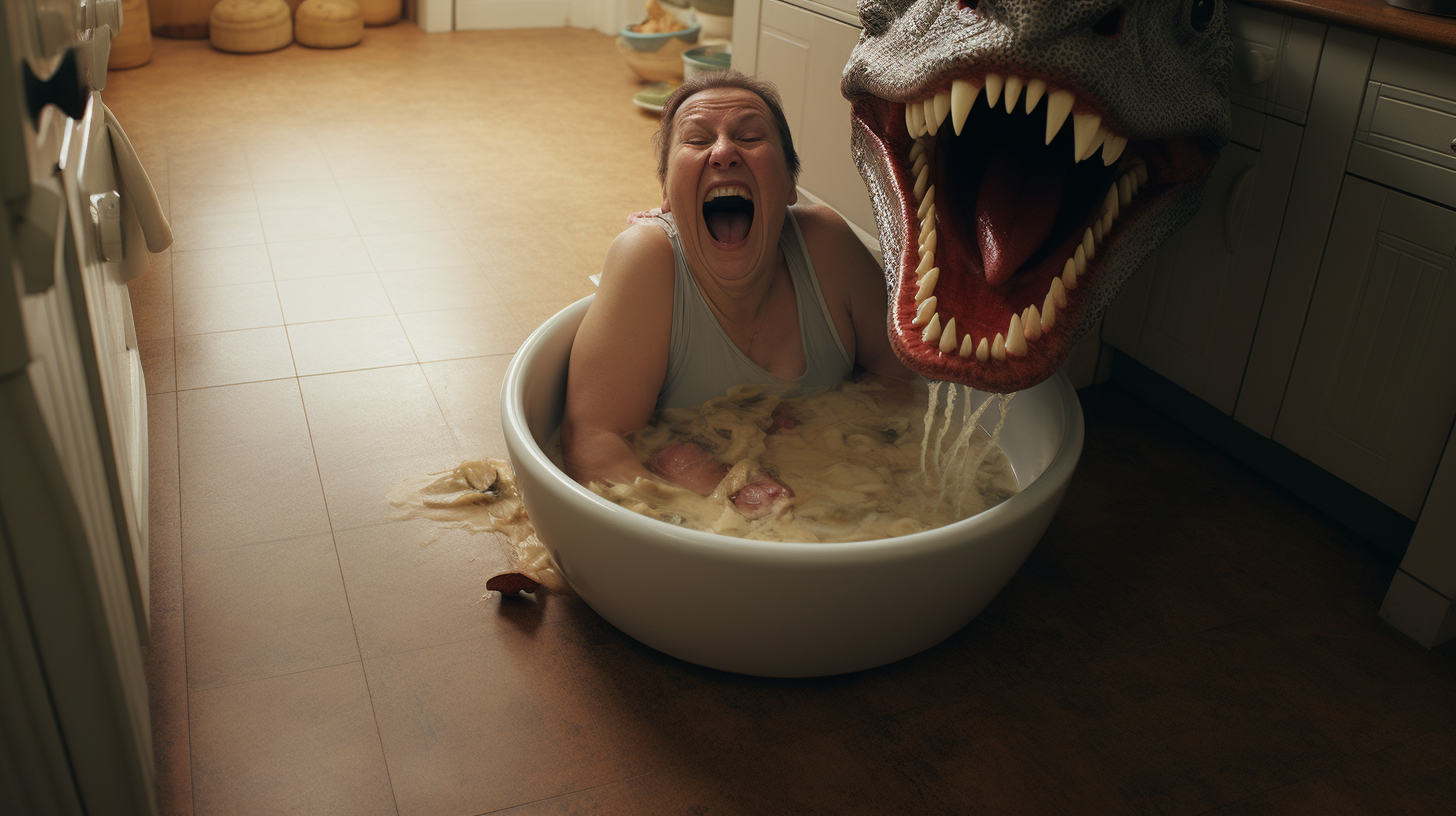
<point x="729" y="226"/>
<point x="1015" y="210"/>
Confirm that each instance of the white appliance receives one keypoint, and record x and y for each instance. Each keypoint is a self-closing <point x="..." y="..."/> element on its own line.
<point x="75" y="729"/>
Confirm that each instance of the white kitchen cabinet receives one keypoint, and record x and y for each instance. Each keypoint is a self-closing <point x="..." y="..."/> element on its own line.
<point x="804" y="52"/>
<point x="1372" y="395"/>
<point x="1190" y="312"/>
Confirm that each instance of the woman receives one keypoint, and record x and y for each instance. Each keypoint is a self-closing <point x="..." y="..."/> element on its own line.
<point x="733" y="282"/>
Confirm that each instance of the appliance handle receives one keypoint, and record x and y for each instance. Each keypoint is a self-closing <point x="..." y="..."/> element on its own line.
<point x="137" y="190"/>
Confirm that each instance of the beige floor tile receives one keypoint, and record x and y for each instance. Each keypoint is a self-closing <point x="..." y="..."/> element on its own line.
<point x="372" y="430"/>
<point x="266" y="610"/>
<point x="207" y="167"/>
<point x="223" y="266"/>
<point x="414" y="584"/>
<point x="308" y="224"/>
<point x="152" y="308"/>
<point x="457" y="333"/>
<point x="247" y="466"/>
<point x="227" y="358"/>
<point x="469" y="395"/>
<point x="320" y="257"/>
<point x="159" y="364"/>
<point x="394" y="190"/>
<point x="293" y="166"/>
<point x="212" y="198"/>
<point x="227" y="308"/>
<point x="300" y="743"/>
<point x="348" y="345"/>
<point x="208" y="230"/>
<point x="307" y="300"/>
<point x="389" y="217"/>
<point x="450" y="719"/>
<point x="429" y="290"/>
<point x="297" y="195"/>
<point x="417" y="250"/>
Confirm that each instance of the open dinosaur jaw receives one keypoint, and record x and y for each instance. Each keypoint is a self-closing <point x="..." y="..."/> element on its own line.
<point x="1008" y="216"/>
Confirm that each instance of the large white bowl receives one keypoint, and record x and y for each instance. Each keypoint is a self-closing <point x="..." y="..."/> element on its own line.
<point x="772" y="608"/>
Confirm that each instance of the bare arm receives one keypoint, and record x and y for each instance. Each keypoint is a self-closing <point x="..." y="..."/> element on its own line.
<point x="854" y="288"/>
<point x="619" y="358"/>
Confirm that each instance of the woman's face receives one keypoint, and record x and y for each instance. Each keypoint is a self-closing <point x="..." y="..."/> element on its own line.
<point x="727" y="182"/>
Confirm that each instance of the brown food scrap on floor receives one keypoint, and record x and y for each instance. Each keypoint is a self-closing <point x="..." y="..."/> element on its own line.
<point x="509" y="583"/>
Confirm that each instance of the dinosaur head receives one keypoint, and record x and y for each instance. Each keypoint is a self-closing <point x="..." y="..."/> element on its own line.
<point x="1023" y="158"/>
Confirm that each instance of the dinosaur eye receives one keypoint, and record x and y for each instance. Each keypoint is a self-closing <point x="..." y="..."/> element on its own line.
<point x="1200" y="14"/>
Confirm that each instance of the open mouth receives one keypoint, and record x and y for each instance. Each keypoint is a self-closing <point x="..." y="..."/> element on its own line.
<point x="728" y="212"/>
<point x="1012" y="194"/>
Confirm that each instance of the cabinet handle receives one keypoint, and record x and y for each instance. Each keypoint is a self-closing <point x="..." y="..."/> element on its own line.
<point x="1257" y="67"/>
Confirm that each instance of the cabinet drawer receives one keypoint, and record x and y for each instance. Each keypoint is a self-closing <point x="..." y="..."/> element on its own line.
<point x="1406" y="136"/>
<point x="1275" y="59"/>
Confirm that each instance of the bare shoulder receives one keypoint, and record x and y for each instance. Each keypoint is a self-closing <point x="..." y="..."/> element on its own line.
<point x="843" y="262"/>
<point x="820" y="222"/>
<point x="641" y="255"/>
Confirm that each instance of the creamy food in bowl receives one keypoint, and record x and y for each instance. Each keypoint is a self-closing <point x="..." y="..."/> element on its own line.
<point x="782" y="609"/>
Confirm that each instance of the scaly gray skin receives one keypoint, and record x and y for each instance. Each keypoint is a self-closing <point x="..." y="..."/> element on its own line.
<point x="1155" y="71"/>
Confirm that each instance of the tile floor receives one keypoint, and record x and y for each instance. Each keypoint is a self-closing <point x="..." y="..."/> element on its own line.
<point x="364" y="236"/>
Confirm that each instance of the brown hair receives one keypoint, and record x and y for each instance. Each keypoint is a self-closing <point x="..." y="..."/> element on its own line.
<point x="712" y="80"/>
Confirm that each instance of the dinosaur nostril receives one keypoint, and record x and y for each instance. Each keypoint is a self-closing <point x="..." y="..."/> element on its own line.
<point x="1110" y="25"/>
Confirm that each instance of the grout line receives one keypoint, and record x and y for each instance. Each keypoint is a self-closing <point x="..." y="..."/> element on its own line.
<point x="348" y="603"/>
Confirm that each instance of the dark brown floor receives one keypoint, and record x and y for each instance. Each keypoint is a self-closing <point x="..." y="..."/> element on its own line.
<point x="363" y="238"/>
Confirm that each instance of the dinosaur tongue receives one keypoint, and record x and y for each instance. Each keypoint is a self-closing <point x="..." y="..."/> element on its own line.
<point x="1015" y="210"/>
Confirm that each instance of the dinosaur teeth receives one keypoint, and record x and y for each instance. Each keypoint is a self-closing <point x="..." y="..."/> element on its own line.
<point x="1035" y="90"/>
<point x="923" y="119"/>
<point x="925" y="287"/>
<point x="962" y="98"/>
<point x="1084" y="128"/>
<point x="994" y="84"/>
<point x="931" y="335"/>
<point x="1059" y="106"/>
<point x="927" y="203"/>
<point x="1013" y="91"/>
<point x="948" y="342"/>
<point x="926" y="311"/>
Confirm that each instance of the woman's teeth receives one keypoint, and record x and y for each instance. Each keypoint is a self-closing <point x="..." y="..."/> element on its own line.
<point x="727" y="190"/>
<point x="923" y="119"/>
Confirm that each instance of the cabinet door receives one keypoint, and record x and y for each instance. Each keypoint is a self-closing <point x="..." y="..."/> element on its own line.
<point x="1190" y="312"/>
<point x="1371" y="397"/>
<point x="804" y="54"/>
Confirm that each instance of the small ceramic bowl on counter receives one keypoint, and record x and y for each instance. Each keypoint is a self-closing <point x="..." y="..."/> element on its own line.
<point x="656" y="57"/>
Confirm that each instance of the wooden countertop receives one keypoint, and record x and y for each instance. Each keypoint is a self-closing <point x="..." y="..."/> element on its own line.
<point x="1374" y="16"/>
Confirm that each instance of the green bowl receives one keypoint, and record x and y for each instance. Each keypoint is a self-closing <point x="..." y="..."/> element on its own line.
<point x="705" y="58"/>
<point x="648" y="43"/>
